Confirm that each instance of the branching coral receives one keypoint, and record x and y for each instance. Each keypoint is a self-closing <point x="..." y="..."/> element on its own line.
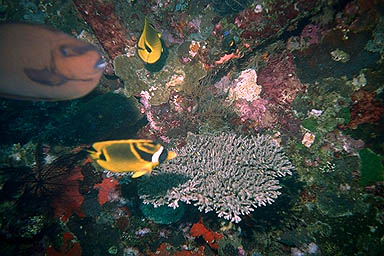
<point x="229" y="174"/>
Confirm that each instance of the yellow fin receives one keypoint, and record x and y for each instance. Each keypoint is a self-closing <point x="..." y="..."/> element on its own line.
<point x="94" y="154"/>
<point x="171" y="155"/>
<point x="140" y="173"/>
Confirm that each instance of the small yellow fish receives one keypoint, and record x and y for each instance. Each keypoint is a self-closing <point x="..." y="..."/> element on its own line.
<point x="138" y="156"/>
<point x="149" y="46"/>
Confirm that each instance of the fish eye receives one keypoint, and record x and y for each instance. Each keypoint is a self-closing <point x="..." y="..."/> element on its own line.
<point x="64" y="51"/>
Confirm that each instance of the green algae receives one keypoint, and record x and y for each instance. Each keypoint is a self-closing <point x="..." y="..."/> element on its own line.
<point x="310" y="124"/>
<point x="126" y="69"/>
<point x="345" y="114"/>
<point x="372" y="169"/>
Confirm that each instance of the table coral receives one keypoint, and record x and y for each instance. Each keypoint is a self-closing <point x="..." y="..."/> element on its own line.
<point x="229" y="174"/>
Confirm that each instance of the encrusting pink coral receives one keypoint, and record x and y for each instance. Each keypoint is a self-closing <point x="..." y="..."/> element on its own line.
<point x="251" y="110"/>
<point x="279" y="80"/>
<point x="364" y="110"/>
<point x="310" y="35"/>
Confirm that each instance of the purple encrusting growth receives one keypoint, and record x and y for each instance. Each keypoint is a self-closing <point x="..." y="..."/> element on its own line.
<point x="226" y="173"/>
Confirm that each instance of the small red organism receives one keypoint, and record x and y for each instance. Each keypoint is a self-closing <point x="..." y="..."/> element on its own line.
<point x="162" y="250"/>
<point x="211" y="238"/>
<point x="200" y="252"/>
<point x="228" y="57"/>
<point x="70" y="200"/>
<point x="69" y="247"/>
<point x="108" y="185"/>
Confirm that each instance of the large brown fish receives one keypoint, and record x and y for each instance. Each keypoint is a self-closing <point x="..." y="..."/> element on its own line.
<point x="40" y="63"/>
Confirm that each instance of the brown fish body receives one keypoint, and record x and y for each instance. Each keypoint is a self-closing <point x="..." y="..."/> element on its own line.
<point x="39" y="63"/>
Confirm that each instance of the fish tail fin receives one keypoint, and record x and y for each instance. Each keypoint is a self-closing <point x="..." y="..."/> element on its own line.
<point x="171" y="155"/>
<point x="94" y="154"/>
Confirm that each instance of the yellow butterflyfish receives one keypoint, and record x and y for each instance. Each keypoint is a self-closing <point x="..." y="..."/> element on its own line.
<point x="149" y="46"/>
<point x="137" y="156"/>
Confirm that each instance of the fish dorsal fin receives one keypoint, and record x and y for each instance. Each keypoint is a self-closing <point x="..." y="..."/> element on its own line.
<point x="151" y="35"/>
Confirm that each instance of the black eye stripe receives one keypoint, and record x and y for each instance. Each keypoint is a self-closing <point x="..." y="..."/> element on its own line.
<point x="69" y="51"/>
<point x="145" y="156"/>
<point x="163" y="156"/>
<point x="83" y="49"/>
<point x="102" y="156"/>
<point x="147" y="48"/>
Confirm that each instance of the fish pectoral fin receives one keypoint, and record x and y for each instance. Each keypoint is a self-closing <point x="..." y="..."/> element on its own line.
<point x="45" y="77"/>
<point x="140" y="173"/>
<point x="145" y="170"/>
